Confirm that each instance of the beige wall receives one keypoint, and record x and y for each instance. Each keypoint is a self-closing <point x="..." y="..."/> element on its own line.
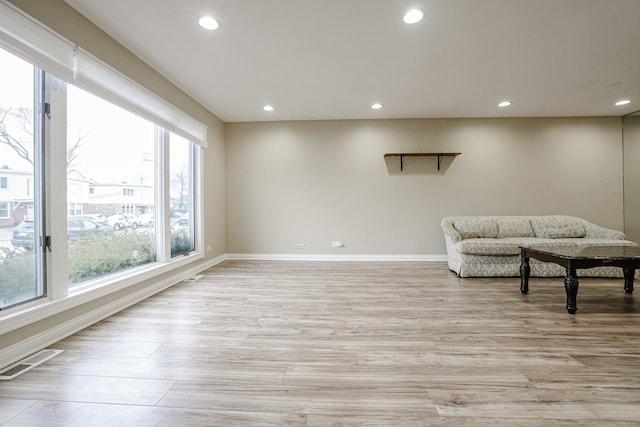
<point x="316" y="182"/>
<point x="631" y="135"/>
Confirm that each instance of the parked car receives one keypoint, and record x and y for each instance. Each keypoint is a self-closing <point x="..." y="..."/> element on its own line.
<point x="184" y="219"/>
<point x="118" y="222"/>
<point x="83" y="227"/>
<point x="100" y="219"/>
<point x="23" y="234"/>
<point x="145" y="220"/>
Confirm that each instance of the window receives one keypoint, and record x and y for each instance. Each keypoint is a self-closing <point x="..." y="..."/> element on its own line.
<point x="107" y="154"/>
<point x="20" y="278"/>
<point x="127" y="209"/>
<point x="181" y="184"/>
<point x="107" y="178"/>
<point x="4" y="211"/>
<point x="74" y="209"/>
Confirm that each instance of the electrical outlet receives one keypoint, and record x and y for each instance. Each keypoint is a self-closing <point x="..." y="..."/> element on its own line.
<point x="300" y="245"/>
<point x="337" y="244"/>
<point x="208" y="248"/>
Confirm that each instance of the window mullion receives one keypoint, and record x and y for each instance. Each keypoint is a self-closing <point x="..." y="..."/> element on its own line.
<point x="197" y="202"/>
<point x="39" y="212"/>
<point x="163" y="196"/>
<point x="56" y="186"/>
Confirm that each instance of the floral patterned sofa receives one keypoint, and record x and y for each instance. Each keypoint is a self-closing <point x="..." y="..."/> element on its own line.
<point x="489" y="246"/>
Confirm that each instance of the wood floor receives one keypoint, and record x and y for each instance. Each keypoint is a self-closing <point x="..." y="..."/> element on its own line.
<point x="346" y="343"/>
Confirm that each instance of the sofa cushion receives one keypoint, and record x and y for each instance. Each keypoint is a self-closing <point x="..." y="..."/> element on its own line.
<point x="474" y="227"/>
<point x="497" y="247"/>
<point x="557" y="227"/>
<point x="514" y="227"/>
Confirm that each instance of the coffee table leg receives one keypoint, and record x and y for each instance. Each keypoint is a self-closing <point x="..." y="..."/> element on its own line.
<point x="525" y="271"/>
<point x="629" y="272"/>
<point x="571" y="287"/>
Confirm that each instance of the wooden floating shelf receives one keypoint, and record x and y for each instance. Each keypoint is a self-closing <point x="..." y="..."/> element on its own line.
<point x="438" y="155"/>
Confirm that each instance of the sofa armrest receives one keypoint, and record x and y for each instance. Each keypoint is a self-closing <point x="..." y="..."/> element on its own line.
<point x="594" y="231"/>
<point x="449" y="231"/>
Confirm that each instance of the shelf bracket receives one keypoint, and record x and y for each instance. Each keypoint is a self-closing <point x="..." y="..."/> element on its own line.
<point x="401" y="162"/>
<point x="439" y="160"/>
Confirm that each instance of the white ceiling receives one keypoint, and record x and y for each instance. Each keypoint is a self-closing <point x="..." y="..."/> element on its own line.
<point x="331" y="59"/>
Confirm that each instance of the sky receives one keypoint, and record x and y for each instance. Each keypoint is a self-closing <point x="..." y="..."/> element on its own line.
<point x="16" y="90"/>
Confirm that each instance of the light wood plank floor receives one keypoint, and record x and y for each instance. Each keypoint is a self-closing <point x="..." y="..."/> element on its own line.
<point x="346" y="343"/>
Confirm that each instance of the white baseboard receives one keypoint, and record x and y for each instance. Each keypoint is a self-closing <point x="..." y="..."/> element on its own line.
<point x="336" y="257"/>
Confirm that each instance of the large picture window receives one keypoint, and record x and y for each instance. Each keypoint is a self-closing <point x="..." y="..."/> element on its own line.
<point x="119" y="172"/>
<point x="118" y="160"/>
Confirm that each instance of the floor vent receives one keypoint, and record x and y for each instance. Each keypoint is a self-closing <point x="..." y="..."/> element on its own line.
<point x="27" y="363"/>
<point x="193" y="278"/>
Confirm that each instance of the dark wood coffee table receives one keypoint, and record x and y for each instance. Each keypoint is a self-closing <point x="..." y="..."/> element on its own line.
<point x="573" y="257"/>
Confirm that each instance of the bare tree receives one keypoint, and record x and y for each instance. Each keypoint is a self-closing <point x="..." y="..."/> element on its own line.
<point x="22" y="119"/>
<point x="180" y="182"/>
<point x="73" y="151"/>
<point x="16" y="131"/>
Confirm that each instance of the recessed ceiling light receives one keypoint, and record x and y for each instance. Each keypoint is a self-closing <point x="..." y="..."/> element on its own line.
<point x="413" y="16"/>
<point x="504" y="104"/>
<point x="623" y="102"/>
<point x="376" y="106"/>
<point x="268" y="108"/>
<point x="208" y="23"/>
